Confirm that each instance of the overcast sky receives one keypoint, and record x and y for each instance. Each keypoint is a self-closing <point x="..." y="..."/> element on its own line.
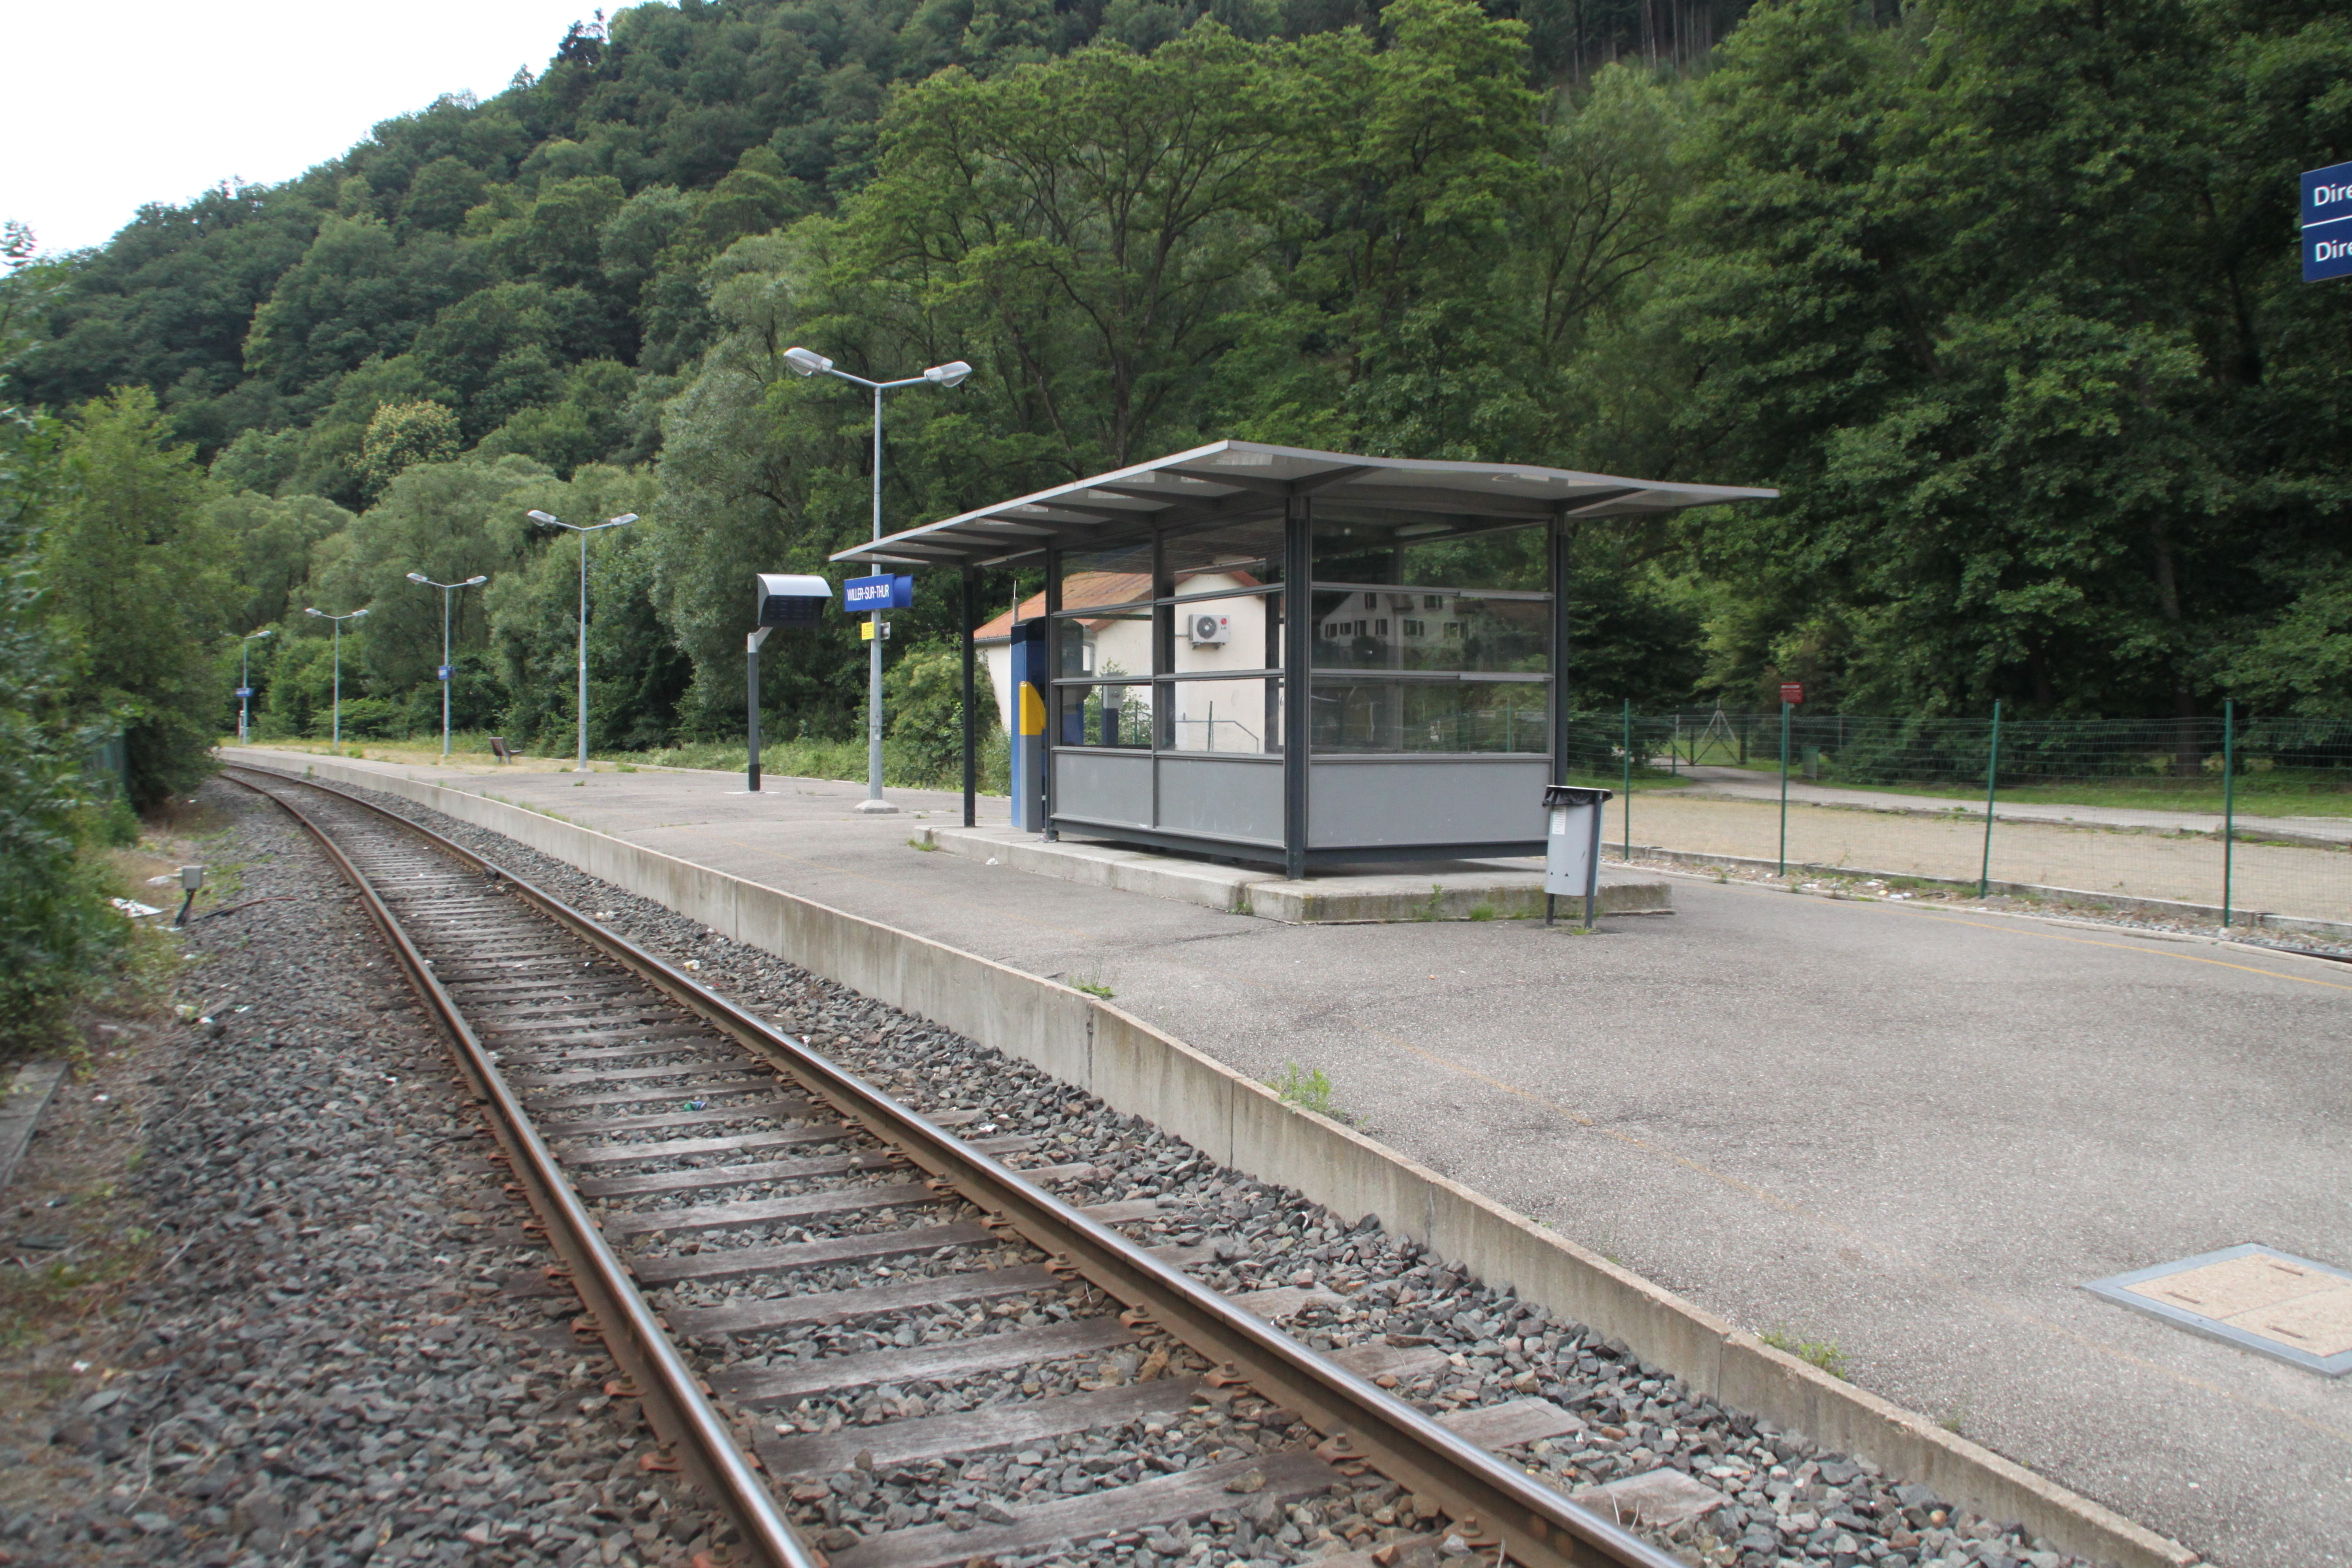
<point x="111" y="106"/>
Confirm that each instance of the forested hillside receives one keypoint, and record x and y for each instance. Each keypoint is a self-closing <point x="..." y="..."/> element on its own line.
<point x="2002" y="294"/>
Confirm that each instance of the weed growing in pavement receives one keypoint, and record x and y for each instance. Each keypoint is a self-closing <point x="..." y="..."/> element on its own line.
<point x="1955" y="1420"/>
<point x="1483" y="912"/>
<point x="1822" y="1353"/>
<point x="928" y="849"/>
<point x="1308" y="1088"/>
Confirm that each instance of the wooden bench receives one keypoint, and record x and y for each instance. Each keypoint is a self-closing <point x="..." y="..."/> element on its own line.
<point x="500" y="749"/>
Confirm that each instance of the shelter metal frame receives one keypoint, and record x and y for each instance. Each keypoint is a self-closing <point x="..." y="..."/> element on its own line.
<point x="1376" y="805"/>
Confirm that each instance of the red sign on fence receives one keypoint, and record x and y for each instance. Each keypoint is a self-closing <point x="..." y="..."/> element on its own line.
<point x="1792" y="692"/>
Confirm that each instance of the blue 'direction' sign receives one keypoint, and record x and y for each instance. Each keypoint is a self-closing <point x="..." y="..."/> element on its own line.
<point x="443" y="671"/>
<point x="877" y="593"/>
<point x="2327" y="222"/>
<point x="244" y="691"/>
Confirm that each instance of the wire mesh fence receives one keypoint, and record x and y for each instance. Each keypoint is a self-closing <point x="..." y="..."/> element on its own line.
<point x="2249" y="819"/>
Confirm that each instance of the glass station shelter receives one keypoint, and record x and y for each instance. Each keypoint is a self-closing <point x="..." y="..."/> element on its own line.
<point x="1422" y="606"/>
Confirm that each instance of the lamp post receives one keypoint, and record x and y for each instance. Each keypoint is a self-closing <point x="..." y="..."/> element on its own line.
<point x="338" y="620"/>
<point x="245" y="678"/>
<point x="808" y="363"/>
<point x="446" y="590"/>
<point x="553" y="521"/>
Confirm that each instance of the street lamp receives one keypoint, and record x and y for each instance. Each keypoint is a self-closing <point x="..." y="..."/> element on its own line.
<point x="553" y="521"/>
<point x="808" y="363"/>
<point x="338" y="620"/>
<point x="446" y="590"/>
<point x="245" y="678"/>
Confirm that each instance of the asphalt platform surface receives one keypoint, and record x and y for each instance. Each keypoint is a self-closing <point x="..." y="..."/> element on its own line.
<point x="1905" y="1133"/>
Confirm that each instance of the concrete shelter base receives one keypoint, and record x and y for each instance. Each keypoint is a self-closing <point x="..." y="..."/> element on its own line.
<point x="1441" y="890"/>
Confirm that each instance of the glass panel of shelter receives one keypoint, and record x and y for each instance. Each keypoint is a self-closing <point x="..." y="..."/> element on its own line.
<point x="1189" y="670"/>
<point x="1431" y="645"/>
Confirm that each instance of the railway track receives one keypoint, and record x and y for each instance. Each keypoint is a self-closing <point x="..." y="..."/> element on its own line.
<point x="671" y="1142"/>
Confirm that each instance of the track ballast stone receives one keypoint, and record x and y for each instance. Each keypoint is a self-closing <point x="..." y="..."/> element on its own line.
<point x="329" y="1368"/>
<point x="1784" y="1504"/>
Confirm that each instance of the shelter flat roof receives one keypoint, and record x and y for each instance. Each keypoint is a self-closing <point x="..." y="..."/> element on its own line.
<point x="1215" y="488"/>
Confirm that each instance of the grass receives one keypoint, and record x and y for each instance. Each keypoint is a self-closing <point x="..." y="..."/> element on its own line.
<point x="1822" y="1353"/>
<point x="1308" y="1088"/>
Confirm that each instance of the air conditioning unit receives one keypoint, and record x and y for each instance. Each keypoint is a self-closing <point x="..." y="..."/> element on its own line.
<point x="1211" y="631"/>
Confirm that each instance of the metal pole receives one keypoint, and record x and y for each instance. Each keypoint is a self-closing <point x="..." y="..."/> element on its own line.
<point x="971" y="619"/>
<point x="1784" y="743"/>
<point x="582" y="767"/>
<point x="446" y="591"/>
<point x="336" y="745"/>
<point x="874" y="800"/>
<point x="751" y="725"/>
<point x="244" y="687"/>
<point x="2229" y="800"/>
<point x="1627" y="808"/>
<point x="1984" y="876"/>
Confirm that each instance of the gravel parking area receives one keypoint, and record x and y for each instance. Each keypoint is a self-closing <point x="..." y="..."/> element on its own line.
<point x="1774" y="1502"/>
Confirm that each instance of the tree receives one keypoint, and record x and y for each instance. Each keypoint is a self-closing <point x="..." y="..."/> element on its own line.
<point x="403" y="435"/>
<point x="135" y="585"/>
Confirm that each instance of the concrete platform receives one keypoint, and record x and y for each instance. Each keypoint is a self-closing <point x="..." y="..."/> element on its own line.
<point x="1439" y="890"/>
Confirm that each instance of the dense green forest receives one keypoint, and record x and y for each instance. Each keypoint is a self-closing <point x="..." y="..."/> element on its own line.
<point x="2002" y="294"/>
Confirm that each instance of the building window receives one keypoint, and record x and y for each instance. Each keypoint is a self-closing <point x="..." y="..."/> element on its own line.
<point x="1453" y="629"/>
<point x="1371" y="601"/>
<point x="1381" y="628"/>
<point x="1413" y="629"/>
<point x="1433" y="601"/>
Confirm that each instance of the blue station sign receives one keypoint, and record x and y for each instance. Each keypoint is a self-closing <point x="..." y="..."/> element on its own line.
<point x="2327" y="223"/>
<point x="877" y="593"/>
<point x="244" y="691"/>
<point x="442" y="671"/>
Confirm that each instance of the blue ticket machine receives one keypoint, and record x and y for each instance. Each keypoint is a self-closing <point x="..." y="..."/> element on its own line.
<point x="1032" y="684"/>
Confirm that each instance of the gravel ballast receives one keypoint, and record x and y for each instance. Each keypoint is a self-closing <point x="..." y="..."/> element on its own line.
<point x="1774" y="1501"/>
<point x="326" y="1365"/>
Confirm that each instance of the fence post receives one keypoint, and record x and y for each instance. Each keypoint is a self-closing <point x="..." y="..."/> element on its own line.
<point x="1984" y="875"/>
<point x="1784" y="739"/>
<point x="1629" y="778"/>
<point x="2229" y="800"/>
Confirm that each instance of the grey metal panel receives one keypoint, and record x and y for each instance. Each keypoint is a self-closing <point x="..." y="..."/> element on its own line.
<point x="1222" y="797"/>
<point x="1103" y="786"/>
<point x="1375" y="801"/>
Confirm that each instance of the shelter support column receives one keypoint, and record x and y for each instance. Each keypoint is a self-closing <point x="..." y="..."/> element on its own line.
<point x="971" y="619"/>
<point x="1053" y="673"/>
<point x="1298" y="626"/>
<point x="1561" y="538"/>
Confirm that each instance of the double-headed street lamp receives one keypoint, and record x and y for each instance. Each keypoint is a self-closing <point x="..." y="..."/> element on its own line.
<point x="245" y="678"/>
<point x="338" y="620"/>
<point x="553" y="521"/>
<point x="808" y="363"/>
<point x="446" y="590"/>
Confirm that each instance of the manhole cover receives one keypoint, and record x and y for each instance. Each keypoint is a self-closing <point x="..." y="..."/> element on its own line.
<point x="2253" y="1296"/>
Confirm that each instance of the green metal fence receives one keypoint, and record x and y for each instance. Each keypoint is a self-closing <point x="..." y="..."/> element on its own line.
<point x="2245" y="820"/>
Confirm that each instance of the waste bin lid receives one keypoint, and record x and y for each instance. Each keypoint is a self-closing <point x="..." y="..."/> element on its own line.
<point x="1574" y="795"/>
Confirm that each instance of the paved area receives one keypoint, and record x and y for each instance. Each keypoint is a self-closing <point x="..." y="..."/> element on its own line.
<point x="2128" y="859"/>
<point x="1910" y="1134"/>
<point x="1747" y="784"/>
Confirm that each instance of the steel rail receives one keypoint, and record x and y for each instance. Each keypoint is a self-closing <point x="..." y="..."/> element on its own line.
<point x="669" y="1392"/>
<point x="1490" y="1501"/>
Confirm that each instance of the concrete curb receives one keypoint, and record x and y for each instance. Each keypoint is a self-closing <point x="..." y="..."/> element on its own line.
<point x="1141" y="1071"/>
<point x="20" y="1112"/>
<point x="2333" y="930"/>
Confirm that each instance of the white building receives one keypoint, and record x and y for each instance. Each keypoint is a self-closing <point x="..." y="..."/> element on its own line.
<point x="1211" y="634"/>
